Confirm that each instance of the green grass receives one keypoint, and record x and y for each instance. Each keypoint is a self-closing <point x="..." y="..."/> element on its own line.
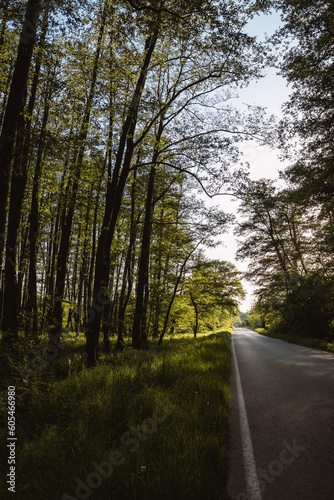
<point x="79" y="418"/>
<point x="321" y="345"/>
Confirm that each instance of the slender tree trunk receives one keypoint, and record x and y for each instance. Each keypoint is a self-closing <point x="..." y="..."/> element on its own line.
<point x="11" y="295"/>
<point x="54" y="246"/>
<point x="92" y="259"/>
<point x="157" y="298"/>
<point x="84" y="260"/>
<point x="139" y="333"/>
<point x="74" y="276"/>
<point x="110" y="310"/>
<point x="127" y="272"/>
<point x="113" y="202"/>
<point x="31" y="309"/>
<point x="15" y="104"/>
<point x="195" y="329"/>
<point x="3" y="24"/>
<point x="174" y="292"/>
<point x="23" y="267"/>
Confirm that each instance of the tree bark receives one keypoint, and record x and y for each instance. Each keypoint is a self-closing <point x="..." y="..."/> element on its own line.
<point x="15" y="104"/>
<point x="3" y="24"/>
<point x="195" y="329"/>
<point x="127" y="272"/>
<point x="31" y="309"/>
<point x="11" y="293"/>
<point x="139" y="333"/>
<point x="113" y="202"/>
<point x="157" y="301"/>
<point x="18" y="186"/>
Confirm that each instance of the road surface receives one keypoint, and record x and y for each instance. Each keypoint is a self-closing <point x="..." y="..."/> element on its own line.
<point x="282" y="420"/>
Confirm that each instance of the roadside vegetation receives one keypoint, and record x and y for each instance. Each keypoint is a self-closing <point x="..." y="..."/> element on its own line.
<point x="314" y="343"/>
<point x="287" y="230"/>
<point x="163" y="411"/>
<point x="275" y="328"/>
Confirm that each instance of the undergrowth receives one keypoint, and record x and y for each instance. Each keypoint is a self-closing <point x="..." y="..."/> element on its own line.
<point x="159" y="418"/>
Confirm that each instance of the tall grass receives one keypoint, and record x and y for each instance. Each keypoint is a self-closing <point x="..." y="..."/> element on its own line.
<point x="175" y="396"/>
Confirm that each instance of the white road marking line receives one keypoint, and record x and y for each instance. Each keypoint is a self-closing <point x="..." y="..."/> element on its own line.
<point x="253" y="487"/>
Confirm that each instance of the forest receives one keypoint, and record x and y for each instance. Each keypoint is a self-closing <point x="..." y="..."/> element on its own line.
<point x="117" y="124"/>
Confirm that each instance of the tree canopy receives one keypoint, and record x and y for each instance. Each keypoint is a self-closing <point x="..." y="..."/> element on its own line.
<point x="113" y="116"/>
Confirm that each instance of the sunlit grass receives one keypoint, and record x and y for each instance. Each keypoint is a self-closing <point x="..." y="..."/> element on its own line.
<point x="79" y="419"/>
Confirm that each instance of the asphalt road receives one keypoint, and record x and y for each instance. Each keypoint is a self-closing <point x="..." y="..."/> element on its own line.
<point x="288" y="413"/>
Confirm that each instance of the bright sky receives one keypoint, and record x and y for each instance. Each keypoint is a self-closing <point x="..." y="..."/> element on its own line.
<point x="270" y="92"/>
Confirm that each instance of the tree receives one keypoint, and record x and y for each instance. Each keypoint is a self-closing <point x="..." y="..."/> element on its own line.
<point x="17" y="191"/>
<point x="187" y="82"/>
<point x="139" y="334"/>
<point x="308" y="125"/>
<point x="19" y="144"/>
<point x="13" y="129"/>
<point x="275" y="235"/>
<point x="201" y="229"/>
<point x="214" y="284"/>
<point x="110" y="130"/>
<point x="15" y="104"/>
<point x="294" y="281"/>
<point x="302" y="219"/>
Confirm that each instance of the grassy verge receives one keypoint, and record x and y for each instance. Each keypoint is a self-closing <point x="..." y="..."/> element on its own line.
<point x="141" y="425"/>
<point x="319" y="344"/>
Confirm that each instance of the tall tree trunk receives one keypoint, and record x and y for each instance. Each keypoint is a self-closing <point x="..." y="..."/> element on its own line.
<point x="3" y="23"/>
<point x="157" y="298"/>
<point x="31" y="309"/>
<point x="15" y="104"/>
<point x="23" y="265"/>
<point x="11" y="295"/>
<point x="113" y="202"/>
<point x="18" y="185"/>
<point x="74" y="276"/>
<point x="84" y="261"/>
<point x="93" y="253"/>
<point x="127" y="272"/>
<point x="139" y="333"/>
<point x="54" y="246"/>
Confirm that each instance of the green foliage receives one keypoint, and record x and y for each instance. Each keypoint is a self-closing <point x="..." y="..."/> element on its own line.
<point x="273" y="320"/>
<point x="213" y="289"/>
<point x="254" y="318"/>
<point x="308" y="65"/>
<point x="308" y="309"/>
